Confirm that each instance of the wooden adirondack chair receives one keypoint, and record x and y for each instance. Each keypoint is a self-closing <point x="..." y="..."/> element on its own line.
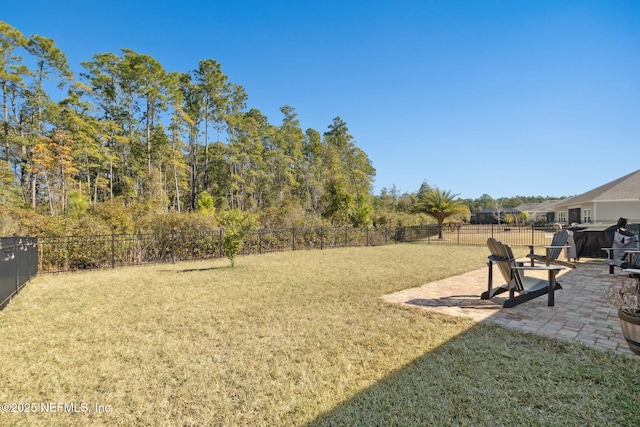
<point x="521" y="288"/>
<point x="617" y="253"/>
<point x="553" y="251"/>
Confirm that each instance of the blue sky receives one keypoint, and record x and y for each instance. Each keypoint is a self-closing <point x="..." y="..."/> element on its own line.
<point x="498" y="97"/>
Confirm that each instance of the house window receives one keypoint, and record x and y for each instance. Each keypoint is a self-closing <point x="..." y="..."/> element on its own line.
<point x="562" y="217"/>
<point x="586" y="216"/>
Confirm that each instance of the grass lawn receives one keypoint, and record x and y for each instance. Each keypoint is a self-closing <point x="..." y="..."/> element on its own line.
<point x="477" y="234"/>
<point x="297" y="338"/>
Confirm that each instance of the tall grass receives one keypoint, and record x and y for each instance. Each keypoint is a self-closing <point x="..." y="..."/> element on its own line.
<point x="292" y="339"/>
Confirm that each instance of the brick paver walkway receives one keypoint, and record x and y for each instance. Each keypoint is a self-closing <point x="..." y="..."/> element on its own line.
<point x="580" y="313"/>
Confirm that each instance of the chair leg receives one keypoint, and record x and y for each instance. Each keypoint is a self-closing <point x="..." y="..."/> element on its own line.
<point x="493" y="292"/>
<point x="512" y="302"/>
<point x="552" y="287"/>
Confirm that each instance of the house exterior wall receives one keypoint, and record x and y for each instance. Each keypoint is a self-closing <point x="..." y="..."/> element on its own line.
<point x="602" y="212"/>
<point x="588" y="213"/>
<point x="541" y="216"/>
<point x="563" y="214"/>
<point x="611" y="211"/>
<point x="486" y="218"/>
<point x="491" y="216"/>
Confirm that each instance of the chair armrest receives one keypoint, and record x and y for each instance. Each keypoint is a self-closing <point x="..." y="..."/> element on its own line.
<point x="495" y="258"/>
<point x="626" y="252"/>
<point x="539" y="267"/>
<point x="631" y="270"/>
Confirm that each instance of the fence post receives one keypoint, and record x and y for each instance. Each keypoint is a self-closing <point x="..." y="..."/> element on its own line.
<point x="260" y="241"/>
<point x="29" y="260"/>
<point x="346" y="235"/>
<point x="321" y="239"/>
<point x="367" y="236"/>
<point x="32" y="249"/>
<point x="293" y="238"/>
<point x="173" y="246"/>
<point x="16" y="257"/>
<point x="533" y="235"/>
<point x="113" y="250"/>
<point x="40" y="248"/>
<point x="221" y="242"/>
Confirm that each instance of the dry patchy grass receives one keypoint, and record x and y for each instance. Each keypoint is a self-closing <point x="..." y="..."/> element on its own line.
<point x="292" y="339"/>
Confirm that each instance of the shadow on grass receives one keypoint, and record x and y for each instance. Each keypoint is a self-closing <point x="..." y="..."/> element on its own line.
<point x="191" y="270"/>
<point x="411" y="396"/>
<point x="490" y="375"/>
<point x="462" y="301"/>
<point x="476" y="379"/>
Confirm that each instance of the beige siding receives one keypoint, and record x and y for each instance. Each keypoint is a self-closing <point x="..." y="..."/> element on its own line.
<point x="605" y="212"/>
<point x="610" y="211"/>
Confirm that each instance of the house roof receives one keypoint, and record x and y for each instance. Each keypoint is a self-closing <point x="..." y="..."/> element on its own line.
<point x="528" y="207"/>
<point x="624" y="188"/>
<point x="494" y="211"/>
<point x="546" y="206"/>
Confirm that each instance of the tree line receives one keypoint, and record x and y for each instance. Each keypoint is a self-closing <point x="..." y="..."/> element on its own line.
<point x="129" y="131"/>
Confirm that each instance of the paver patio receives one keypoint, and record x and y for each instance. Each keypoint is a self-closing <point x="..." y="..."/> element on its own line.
<point x="580" y="313"/>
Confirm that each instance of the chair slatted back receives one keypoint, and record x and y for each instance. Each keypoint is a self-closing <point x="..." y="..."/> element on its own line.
<point x="622" y="243"/>
<point x="559" y="239"/>
<point x="635" y="265"/>
<point x="503" y="256"/>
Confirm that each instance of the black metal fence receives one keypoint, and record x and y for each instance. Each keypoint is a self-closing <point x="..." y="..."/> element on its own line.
<point x="58" y="254"/>
<point x="18" y="264"/>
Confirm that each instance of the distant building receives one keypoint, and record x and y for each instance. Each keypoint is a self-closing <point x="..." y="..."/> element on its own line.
<point x="604" y="204"/>
<point x="490" y="216"/>
<point x="540" y="212"/>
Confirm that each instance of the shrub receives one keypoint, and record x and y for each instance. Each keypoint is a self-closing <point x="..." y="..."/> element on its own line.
<point x="236" y="224"/>
<point x="115" y="215"/>
<point x="232" y="242"/>
<point x="206" y="205"/>
<point x="78" y="204"/>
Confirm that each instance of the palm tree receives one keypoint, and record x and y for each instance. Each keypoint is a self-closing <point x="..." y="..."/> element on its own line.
<point x="441" y="205"/>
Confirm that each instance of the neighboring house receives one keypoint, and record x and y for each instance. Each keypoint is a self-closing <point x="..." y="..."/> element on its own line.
<point x="604" y="205"/>
<point x="539" y="212"/>
<point x="535" y="212"/>
<point x="490" y="216"/>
